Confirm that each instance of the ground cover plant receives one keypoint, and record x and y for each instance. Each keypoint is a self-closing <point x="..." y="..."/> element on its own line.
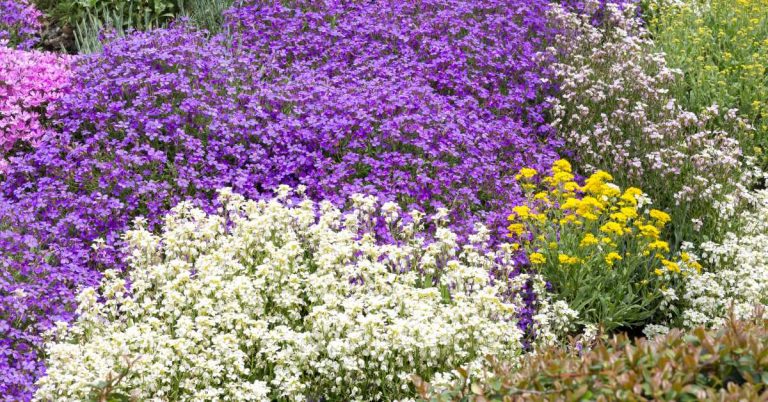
<point x="29" y="80"/>
<point x="474" y="183"/>
<point x="168" y="115"/>
<point x="616" y="113"/>
<point x="275" y="300"/>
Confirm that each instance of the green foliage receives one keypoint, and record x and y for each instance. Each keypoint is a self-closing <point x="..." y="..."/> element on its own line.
<point x="727" y="364"/>
<point x="88" y="31"/>
<point x="206" y="14"/>
<point x="91" y="17"/>
<point x="137" y="14"/>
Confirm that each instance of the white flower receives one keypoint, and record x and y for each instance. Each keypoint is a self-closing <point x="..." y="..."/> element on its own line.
<point x="265" y="300"/>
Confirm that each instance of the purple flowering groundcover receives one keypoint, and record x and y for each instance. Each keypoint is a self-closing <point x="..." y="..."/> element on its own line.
<point x="433" y="103"/>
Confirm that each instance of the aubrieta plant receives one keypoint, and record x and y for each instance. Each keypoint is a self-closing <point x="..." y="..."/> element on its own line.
<point x="19" y="23"/>
<point x="439" y="113"/>
<point x="286" y="299"/>
<point x="599" y="247"/>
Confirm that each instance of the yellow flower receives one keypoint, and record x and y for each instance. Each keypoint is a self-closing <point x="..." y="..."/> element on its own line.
<point x="612" y="257"/>
<point x="561" y="165"/>
<point x="526" y="173"/>
<point x="660" y="216"/>
<point x="630" y="196"/>
<point x="608" y="241"/>
<point x="537" y="258"/>
<point x="522" y="211"/>
<point x="630" y="212"/>
<point x="671" y="266"/>
<point x="552" y="244"/>
<point x="561" y="178"/>
<point x="568" y="260"/>
<point x="595" y="184"/>
<point x="541" y="196"/>
<point x="612" y="228"/>
<point x="649" y="231"/>
<point x="610" y="190"/>
<point x="571" y="186"/>
<point x="515" y="229"/>
<point x="658" y="272"/>
<point x="696" y="266"/>
<point x="619" y="217"/>
<point x="569" y="219"/>
<point x="588" y="240"/>
<point x="685" y="256"/>
<point x="659" y="245"/>
<point x="571" y="203"/>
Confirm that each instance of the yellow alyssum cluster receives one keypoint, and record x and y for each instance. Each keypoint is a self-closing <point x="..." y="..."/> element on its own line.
<point x="595" y="224"/>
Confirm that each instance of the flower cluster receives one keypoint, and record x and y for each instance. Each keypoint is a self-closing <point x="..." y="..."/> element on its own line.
<point x="285" y="299"/>
<point x="437" y="113"/>
<point x="599" y="247"/>
<point x="29" y="81"/>
<point x="739" y="281"/>
<point x="19" y="23"/>
<point x="615" y="112"/>
<point x="722" y="47"/>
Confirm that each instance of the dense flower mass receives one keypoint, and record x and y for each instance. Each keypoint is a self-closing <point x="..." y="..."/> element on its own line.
<point x="456" y="110"/>
<point x="19" y="23"/>
<point x="287" y="300"/>
<point x="437" y="113"/>
<point x="595" y="236"/>
<point x="739" y="282"/>
<point x="722" y="47"/>
<point x="29" y="81"/>
<point x="615" y="113"/>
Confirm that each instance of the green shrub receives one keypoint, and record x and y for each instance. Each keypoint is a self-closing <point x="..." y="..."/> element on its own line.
<point x="726" y="364"/>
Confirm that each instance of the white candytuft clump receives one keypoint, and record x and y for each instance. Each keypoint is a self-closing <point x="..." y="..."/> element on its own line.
<point x="275" y="300"/>
<point x="739" y="282"/>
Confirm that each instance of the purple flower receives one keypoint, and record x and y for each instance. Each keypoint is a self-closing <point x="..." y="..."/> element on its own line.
<point x="19" y="23"/>
<point x="430" y="103"/>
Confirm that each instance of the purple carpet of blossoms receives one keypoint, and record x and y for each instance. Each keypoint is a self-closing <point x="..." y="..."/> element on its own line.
<point x="19" y="23"/>
<point x="432" y="103"/>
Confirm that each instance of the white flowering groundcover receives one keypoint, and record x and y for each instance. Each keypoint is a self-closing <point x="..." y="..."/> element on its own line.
<point x="270" y="300"/>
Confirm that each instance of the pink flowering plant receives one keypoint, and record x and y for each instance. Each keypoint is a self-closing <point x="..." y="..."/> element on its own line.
<point x="29" y="81"/>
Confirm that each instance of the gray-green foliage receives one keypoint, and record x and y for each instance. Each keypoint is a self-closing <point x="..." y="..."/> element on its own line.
<point x="206" y="14"/>
<point x="90" y="18"/>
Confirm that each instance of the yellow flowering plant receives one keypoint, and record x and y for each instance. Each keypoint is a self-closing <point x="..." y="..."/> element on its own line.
<point x="599" y="247"/>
